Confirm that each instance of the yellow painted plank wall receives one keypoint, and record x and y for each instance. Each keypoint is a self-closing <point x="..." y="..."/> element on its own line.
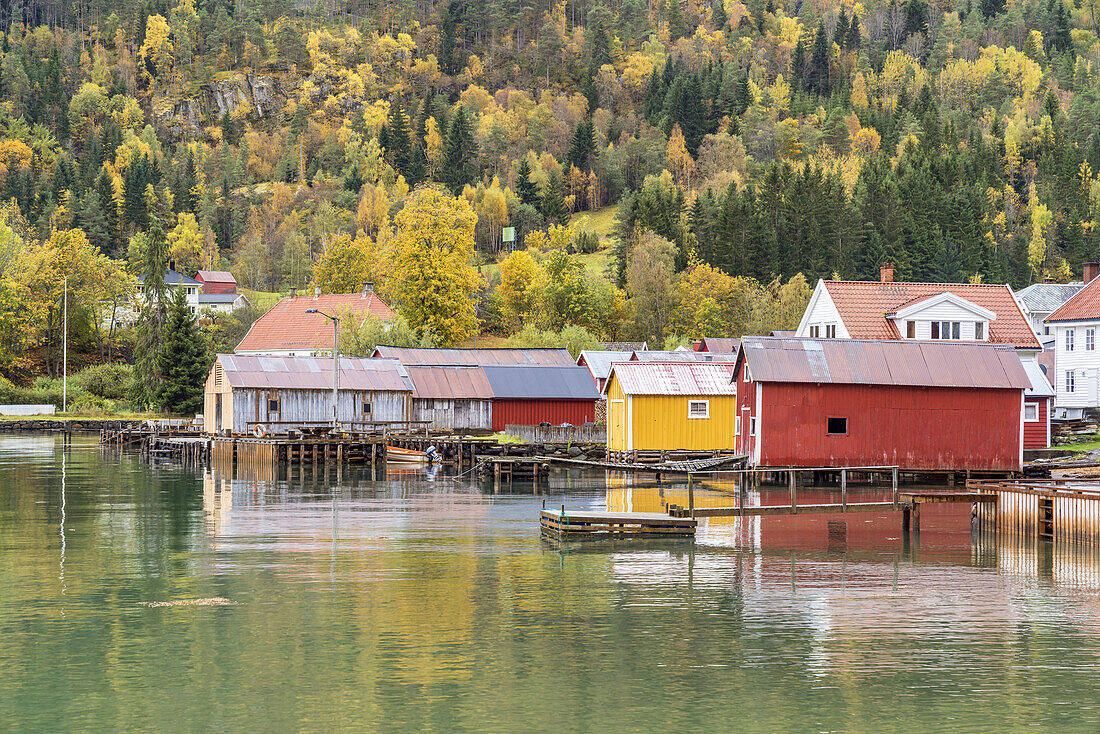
<point x="660" y="422"/>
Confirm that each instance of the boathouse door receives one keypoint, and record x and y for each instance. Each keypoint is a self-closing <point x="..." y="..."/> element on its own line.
<point x="616" y="438"/>
<point x="218" y="413"/>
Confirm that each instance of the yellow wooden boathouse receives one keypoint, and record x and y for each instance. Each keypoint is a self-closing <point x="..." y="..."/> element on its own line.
<point x="659" y="406"/>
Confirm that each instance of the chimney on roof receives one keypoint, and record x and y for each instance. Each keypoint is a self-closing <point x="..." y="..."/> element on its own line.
<point x="293" y="292"/>
<point x="171" y="264"/>
<point x="368" y="288"/>
<point x="316" y="291"/>
<point x="1091" y="270"/>
<point x="886" y="273"/>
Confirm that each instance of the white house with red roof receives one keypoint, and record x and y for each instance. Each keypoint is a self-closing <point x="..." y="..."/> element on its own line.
<point x="290" y="329"/>
<point x="1075" y="326"/>
<point x="960" y="312"/>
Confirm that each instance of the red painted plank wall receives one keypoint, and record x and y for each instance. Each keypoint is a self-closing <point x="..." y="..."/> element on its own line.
<point x="533" y="412"/>
<point x="913" y="427"/>
<point x="1035" y="432"/>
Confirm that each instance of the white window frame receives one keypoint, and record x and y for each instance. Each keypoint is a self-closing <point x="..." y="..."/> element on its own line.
<point x="752" y="425"/>
<point x="830" y="331"/>
<point x="706" y="409"/>
<point x="1071" y="336"/>
<point x="1031" y="412"/>
<point x="1071" y="381"/>
<point x="979" y="331"/>
<point x="815" y="331"/>
<point x="1090" y="340"/>
<point x="910" y="329"/>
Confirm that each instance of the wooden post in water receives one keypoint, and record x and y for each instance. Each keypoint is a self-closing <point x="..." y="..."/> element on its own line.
<point x="894" y="481"/>
<point x="691" y="497"/>
<point x="794" y="483"/>
<point x="844" y="490"/>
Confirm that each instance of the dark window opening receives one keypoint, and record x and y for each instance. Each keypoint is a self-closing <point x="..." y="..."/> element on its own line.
<point x="273" y="405"/>
<point x="910" y="329"/>
<point x="367" y="408"/>
<point x="838" y="427"/>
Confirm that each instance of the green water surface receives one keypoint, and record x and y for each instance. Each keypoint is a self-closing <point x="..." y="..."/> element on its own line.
<point x="427" y="603"/>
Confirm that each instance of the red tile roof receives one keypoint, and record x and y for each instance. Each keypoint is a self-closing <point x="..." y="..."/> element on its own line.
<point x="1085" y="304"/>
<point x="287" y="326"/>
<point x="863" y="306"/>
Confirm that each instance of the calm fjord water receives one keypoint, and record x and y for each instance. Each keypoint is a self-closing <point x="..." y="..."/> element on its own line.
<point x="430" y="604"/>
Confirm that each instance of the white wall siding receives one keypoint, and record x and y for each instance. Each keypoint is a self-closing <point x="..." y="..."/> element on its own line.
<point x="1084" y="363"/>
<point x="822" y="312"/>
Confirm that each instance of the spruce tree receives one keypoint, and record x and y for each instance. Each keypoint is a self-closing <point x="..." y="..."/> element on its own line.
<point x="674" y="14"/>
<point x="459" y="153"/>
<point x="526" y="189"/>
<point x="818" y="76"/>
<point x="151" y="320"/>
<point x="718" y="14"/>
<point x="94" y="222"/>
<point x="553" y="200"/>
<point x="583" y="144"/>
<point x="182" y="362"/>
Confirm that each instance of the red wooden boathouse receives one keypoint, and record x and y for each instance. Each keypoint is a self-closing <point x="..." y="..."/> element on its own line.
<point x="922" y="405"/>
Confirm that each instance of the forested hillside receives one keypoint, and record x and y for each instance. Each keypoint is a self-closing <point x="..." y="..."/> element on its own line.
<point x="324" y="145"/>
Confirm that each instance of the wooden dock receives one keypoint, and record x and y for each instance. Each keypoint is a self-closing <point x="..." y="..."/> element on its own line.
<point x="593" y="525"/>
<point x="685" y="467"/>
<point x="1061" y="510"/>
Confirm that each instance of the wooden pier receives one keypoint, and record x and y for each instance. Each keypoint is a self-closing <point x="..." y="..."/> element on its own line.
<point x="595" y="525"/>
<point x="683" y="467"/>
<point x="1061" y="510"/>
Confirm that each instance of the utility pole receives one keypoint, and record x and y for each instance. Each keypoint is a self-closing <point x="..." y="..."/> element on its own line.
<point x="65" y="352"/>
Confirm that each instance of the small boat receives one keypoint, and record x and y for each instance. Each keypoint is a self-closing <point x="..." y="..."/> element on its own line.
<point x="406" y="456"/>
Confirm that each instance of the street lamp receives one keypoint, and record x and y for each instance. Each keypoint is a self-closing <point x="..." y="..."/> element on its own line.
<point x="335" y="364"/>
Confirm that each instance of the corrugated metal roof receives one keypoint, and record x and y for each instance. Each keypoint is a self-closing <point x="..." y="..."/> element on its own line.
<point x="541" y="383"/>
<point x="447" y="383"/>
<point x="684" y="356"/>
<point x="312" y="373"/>
<point x="674" y="378"/>
<point x="412" y="356"/>
<point x="599" y="361"/>
<point x="1040" y="386"/>
<point x="220" y="297"/>
<point x="215" y="276"/>
<point x="624" y="346"/>
<point x="1047" y="297"/>
<point x="719" y="344"/>
<point x="885" y="362"/>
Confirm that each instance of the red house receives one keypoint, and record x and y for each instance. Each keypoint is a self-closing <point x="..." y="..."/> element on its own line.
<point x="921" y="405"/>
<point x="530" y="395"/>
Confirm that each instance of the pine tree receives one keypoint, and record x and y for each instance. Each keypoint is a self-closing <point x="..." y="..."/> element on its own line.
<point x="459" y="153"/>
<point x="798" y="64"/>
<point x="853" y="39"/>
<point x="583" y="144"/>
<point x="399" y="142"/>
<point x="94" y="222"/>
<point x="718" y="14"/>
<point x="840" y="33"/>
<point x="151" y="320"/>
<point x="818" y="77"/>
<point x="553" y="200"/>
<point x="526" y="189"/>
<point x="182" y="362"/>
<point x="674" y="14"/>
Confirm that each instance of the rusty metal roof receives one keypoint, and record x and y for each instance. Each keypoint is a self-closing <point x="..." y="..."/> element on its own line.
<point x="447" y="383"/>
<point x="412" y="356"/>
<point x="541" y="383"/>
<point x="312" y="373"/>
<point x="884" y="362"/>
<point x="683" y="355"/>
<point x="719" y="344"/>
<point x="674" y="378"/>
